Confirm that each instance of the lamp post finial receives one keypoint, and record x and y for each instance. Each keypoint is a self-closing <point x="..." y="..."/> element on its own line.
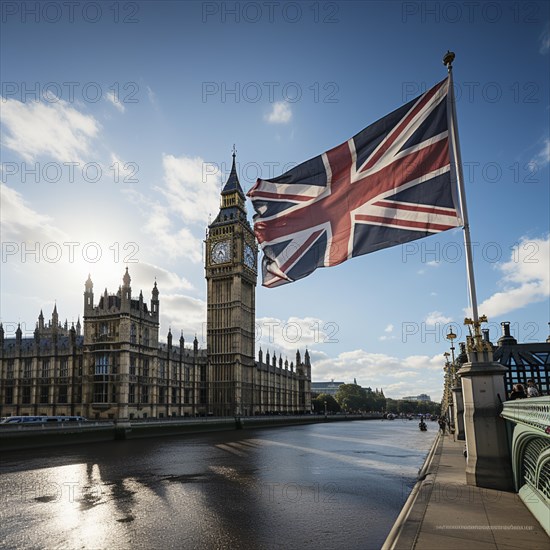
<point x="448" y="59"/>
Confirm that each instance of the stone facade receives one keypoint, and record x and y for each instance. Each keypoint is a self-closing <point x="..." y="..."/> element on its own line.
<point x="117" y="368"/>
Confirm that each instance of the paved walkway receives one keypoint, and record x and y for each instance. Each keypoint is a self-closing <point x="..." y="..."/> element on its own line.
<point x="448" y="514"/>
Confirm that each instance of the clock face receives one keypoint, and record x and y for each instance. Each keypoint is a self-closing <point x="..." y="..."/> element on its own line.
<point x="249" y="256"/>
<point x="221" y="252"/>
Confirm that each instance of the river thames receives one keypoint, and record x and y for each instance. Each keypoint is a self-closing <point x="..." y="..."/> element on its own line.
<point x="336" y="485"/>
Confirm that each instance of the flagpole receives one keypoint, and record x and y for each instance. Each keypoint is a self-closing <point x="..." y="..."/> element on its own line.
<point x="448" y="59"/>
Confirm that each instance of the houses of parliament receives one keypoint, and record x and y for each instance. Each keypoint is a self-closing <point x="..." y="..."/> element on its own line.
<point x="114" y="367"/>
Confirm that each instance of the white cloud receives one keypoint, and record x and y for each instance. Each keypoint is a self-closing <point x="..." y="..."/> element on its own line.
<point x="176" y="243"/>
<point x="115" y="101"/>
<point x="152" y="97"/>
<point x="287" y="336"/>
<point x="144" y="274"/>
<point x="404" y="374"/>
<point x="436" y="317"/>
<point x="123" y="172"/>
<point x="433" y="263"/>
<point x="526" y="278"/>
<point x="190" y="192"/>
<point x="181" y="312"/>
<point x="281" y="113"/>
<point x="388" y="336"/>
<point x="191" y="187"/>
<point x="56" y="130"/>
<point x="542" y="158"/>
<point x="20" y="223"/>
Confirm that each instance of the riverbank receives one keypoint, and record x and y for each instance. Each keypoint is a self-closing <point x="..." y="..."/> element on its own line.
<point x="14" y="438"/>
<point x="442" y="511"/>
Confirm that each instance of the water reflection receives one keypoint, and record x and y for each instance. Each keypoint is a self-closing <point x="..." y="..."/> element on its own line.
<point x="320" y="486"/>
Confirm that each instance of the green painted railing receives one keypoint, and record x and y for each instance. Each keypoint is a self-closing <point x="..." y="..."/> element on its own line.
<point x="529" y="422"/>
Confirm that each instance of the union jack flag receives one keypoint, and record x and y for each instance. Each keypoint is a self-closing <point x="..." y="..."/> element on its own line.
<point x="389" y="184"/>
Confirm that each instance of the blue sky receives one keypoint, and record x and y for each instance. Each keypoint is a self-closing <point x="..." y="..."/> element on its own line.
<point x="128" y="112"/>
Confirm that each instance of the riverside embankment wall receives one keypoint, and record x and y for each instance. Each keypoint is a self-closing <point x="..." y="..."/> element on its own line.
<point x="29" y="437"/>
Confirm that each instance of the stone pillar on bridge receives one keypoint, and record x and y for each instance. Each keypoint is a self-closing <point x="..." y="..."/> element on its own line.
<point x="458" y="411"/>
<point x="488" y="462"/>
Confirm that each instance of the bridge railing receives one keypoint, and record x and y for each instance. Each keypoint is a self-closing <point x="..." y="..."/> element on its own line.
<point x="529" y="423"/>
<point x="533" y="412"/>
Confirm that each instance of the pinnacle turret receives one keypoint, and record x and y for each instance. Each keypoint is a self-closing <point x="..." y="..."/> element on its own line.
<point x="126" y="279"/>
<point x="155" y="299"/>
<point x="89" y="285"/>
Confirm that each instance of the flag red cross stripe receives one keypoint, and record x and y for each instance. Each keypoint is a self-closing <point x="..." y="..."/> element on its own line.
<point x="343" y="195"/>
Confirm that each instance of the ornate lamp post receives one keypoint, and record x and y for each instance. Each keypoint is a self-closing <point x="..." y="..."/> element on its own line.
<point x="454" y="386"/>
<point x="447" y="384"/>
<point x="452" y="336"/>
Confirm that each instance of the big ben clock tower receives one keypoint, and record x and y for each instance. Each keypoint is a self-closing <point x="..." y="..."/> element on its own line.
<point x="231" y="271"/>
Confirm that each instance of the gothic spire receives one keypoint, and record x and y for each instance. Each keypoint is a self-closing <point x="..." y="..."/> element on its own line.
<point x="232" y="185"/>
<point x="89" y="284"/>
<point x="55" y="316"/>
<point x="126" y="279"/>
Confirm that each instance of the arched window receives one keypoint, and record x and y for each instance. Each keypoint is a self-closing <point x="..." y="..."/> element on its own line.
<point x="102" y="364"/>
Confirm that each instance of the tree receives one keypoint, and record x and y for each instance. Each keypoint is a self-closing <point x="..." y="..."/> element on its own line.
<point x="398" y="406"/>
<point x="352" y="397"/>
<point x="319" y="403"/>
<point x="375" y="400"/>
<point x="379" y="401"/>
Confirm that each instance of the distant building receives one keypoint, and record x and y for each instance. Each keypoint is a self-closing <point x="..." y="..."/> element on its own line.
<point x="330" y="388"/>
<point x="526" y="361"/>
<point x="422" y="397"/>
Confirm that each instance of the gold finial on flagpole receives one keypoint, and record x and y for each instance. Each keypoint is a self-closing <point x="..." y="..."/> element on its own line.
<point x="448" y="59"/>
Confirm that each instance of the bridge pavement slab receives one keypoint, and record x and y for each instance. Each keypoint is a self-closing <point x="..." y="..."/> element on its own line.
<point x="444" y="513"/>
<point x="459" y="516"/>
